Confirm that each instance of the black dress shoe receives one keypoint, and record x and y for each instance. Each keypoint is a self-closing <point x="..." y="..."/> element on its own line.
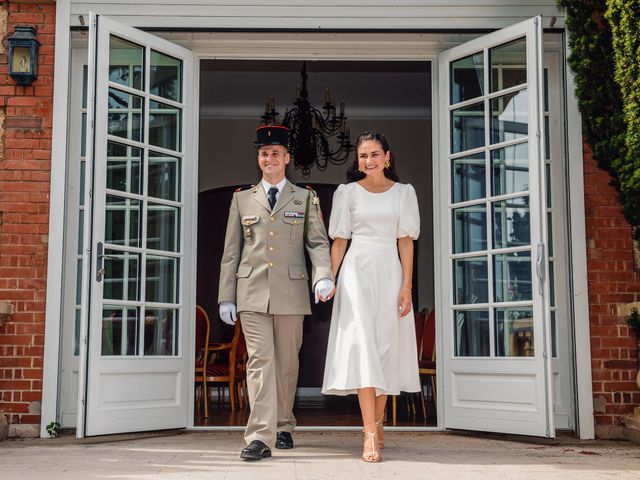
<point x="256" y="450"/>
<point x="284" y="440"/>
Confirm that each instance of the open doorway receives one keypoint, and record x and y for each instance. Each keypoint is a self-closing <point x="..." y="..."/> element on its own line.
<point x="390" y="97"/>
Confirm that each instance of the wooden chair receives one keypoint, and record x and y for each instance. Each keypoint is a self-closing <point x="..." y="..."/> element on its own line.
<point x="230" y="369"/>
<point x="203" y="330"/>
<point x="419" y="321"/>
<point x="427" y="358"/>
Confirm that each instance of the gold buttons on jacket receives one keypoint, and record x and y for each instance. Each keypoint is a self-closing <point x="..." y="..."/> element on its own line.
<point x="271" y="264"/>
<point x="271" y="233"/>
<point x="273" y="219"/>
<point x="302" y="275"/>
<point x="271" y="249"/>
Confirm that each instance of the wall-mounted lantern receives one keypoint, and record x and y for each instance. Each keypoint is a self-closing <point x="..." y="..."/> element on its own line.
<point x="23" y="55"/>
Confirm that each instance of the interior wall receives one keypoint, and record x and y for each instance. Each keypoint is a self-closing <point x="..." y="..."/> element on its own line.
<point x="228" y="157"/>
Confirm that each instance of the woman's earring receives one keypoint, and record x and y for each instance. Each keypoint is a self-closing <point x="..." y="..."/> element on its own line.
<point x="387" y="164"/>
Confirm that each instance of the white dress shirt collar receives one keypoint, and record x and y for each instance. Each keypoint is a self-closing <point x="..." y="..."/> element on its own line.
<point x="266" y="186"/>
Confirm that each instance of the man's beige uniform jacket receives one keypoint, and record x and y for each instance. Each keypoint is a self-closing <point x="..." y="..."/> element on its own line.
<point x="263" y="266"/>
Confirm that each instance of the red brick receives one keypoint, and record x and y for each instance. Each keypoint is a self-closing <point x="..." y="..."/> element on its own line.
<point x="611" y="280"/>
<point x="32" y="373"/>
<point x="15" y="385"/>
<point x="23" y="122"/>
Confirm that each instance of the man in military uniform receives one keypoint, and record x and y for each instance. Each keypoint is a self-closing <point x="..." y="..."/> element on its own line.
<point x="264" y="279"/>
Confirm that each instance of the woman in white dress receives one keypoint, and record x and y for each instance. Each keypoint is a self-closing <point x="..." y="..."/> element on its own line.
<point x="372" y="343"/>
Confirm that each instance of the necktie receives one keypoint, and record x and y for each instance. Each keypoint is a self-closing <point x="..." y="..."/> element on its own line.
<point x="272" y="196"/>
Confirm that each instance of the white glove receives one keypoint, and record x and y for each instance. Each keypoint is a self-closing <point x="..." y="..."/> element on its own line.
<point x="323" y="288"/>
<point x="228" y="312"/>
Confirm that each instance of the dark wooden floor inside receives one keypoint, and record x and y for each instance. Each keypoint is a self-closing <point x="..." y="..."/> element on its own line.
<point x="322" y="411"/>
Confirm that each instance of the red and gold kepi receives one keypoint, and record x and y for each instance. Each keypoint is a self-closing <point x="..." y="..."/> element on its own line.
<point x="272" y="135"/>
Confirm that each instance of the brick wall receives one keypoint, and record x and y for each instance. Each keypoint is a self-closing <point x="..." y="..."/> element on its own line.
<point x="24" y="215"/>
<point x="612" y="280"/>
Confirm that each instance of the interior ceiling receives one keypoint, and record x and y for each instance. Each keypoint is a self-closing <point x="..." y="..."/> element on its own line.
<point x="239" y="88"/>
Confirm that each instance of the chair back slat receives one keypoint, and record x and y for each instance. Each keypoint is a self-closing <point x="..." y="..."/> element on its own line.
<point x="429" y="337"/>
<point x="203" y="327"/>
<point x="419" y="319"/>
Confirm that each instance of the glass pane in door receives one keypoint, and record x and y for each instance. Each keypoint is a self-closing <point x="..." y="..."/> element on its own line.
<point x="510" y="169"/>
<point x="514" y="332"/>
<point x="164" y="176"/>
<point x="468" y="174"/>
<point x="470" y="229"/>
<point x="508" y="65"/>
<point x="126" y="62"/>
<point x="511" y="223"/>
<point x="467" y="127"/>
<point x="509" y="117"/>
<point x="164" y="126"/>
<point x="467" y="78"/>
<point x="123" y="167"/>
<point x="161" y="331"/>
<point x="119" y="330"/>
<point x="471" y="329"/>
<point x="470" y="280"/>
<point x="125" y="115"/>
<point x="166" y="76"/>
<point x="493" y="220"/>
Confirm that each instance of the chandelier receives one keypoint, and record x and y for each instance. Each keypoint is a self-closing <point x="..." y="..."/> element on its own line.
<point x="316" y="136"/>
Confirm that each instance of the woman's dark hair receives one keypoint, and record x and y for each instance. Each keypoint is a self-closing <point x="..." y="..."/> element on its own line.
<point x="353" y="174"/>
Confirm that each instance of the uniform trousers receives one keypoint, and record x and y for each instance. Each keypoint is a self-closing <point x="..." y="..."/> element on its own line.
<point x="273" y="344"/>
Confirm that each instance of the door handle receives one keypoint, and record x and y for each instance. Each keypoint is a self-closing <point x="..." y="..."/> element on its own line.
<point x="100" y="256"/>
<point x="540" y="268"/>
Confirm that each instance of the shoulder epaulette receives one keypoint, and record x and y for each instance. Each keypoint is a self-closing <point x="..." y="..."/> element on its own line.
<point x="244" y="187"/>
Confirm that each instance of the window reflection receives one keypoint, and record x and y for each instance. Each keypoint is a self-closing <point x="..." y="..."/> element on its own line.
<point x="472" y="333"/>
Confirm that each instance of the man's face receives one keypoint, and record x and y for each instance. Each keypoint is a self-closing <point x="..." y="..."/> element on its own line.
<point x="273" y="160"/>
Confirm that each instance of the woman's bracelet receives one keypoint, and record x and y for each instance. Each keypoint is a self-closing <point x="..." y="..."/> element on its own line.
<point x="405" y="288"/>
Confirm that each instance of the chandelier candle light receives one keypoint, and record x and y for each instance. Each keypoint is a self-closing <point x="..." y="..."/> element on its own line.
<point x="311" y="129"/>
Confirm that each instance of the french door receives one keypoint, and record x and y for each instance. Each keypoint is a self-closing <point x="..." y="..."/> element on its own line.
<point x="135" y="356"/>
<point x="495" y="302"/>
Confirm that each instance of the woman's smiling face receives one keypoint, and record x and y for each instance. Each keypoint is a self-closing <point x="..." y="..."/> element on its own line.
<point x="372" y="157"/>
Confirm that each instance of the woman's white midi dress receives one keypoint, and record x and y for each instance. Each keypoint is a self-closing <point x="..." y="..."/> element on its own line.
<point x="370" y="345"/>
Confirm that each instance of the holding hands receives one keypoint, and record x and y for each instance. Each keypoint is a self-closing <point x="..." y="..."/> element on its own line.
<point x="324" y="289"/>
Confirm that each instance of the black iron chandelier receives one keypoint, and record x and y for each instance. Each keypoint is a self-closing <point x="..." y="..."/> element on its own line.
<point x="311" y="130"/>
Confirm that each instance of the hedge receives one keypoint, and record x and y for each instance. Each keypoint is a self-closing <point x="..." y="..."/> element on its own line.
<point x="604" y="57"/>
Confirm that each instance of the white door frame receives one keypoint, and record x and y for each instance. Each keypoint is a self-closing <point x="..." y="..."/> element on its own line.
<point x="55" y="251"/>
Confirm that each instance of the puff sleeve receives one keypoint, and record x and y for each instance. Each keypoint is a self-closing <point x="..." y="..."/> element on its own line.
<point x="340" y="220"/>
<point x="409" y="219"/>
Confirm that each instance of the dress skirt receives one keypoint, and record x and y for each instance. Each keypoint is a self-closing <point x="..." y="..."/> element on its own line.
<point x="370" y="345"/>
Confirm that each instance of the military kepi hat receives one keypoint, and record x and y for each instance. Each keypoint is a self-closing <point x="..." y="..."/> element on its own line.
<point x="272" y="135"/>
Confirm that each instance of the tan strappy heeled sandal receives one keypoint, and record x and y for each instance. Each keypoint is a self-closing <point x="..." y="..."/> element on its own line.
<point x="373" y="455"/>
<point x="380" y="432"/>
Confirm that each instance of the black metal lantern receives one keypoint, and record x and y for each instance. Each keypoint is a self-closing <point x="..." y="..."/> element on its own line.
<point x="23" y="55"/>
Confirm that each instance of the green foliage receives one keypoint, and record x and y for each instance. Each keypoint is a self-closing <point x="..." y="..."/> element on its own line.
<point x="624" y="18"/>
<point x="600" y="98"/>
<point x="634" y="322"/>
<point x="53" y="429"/>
